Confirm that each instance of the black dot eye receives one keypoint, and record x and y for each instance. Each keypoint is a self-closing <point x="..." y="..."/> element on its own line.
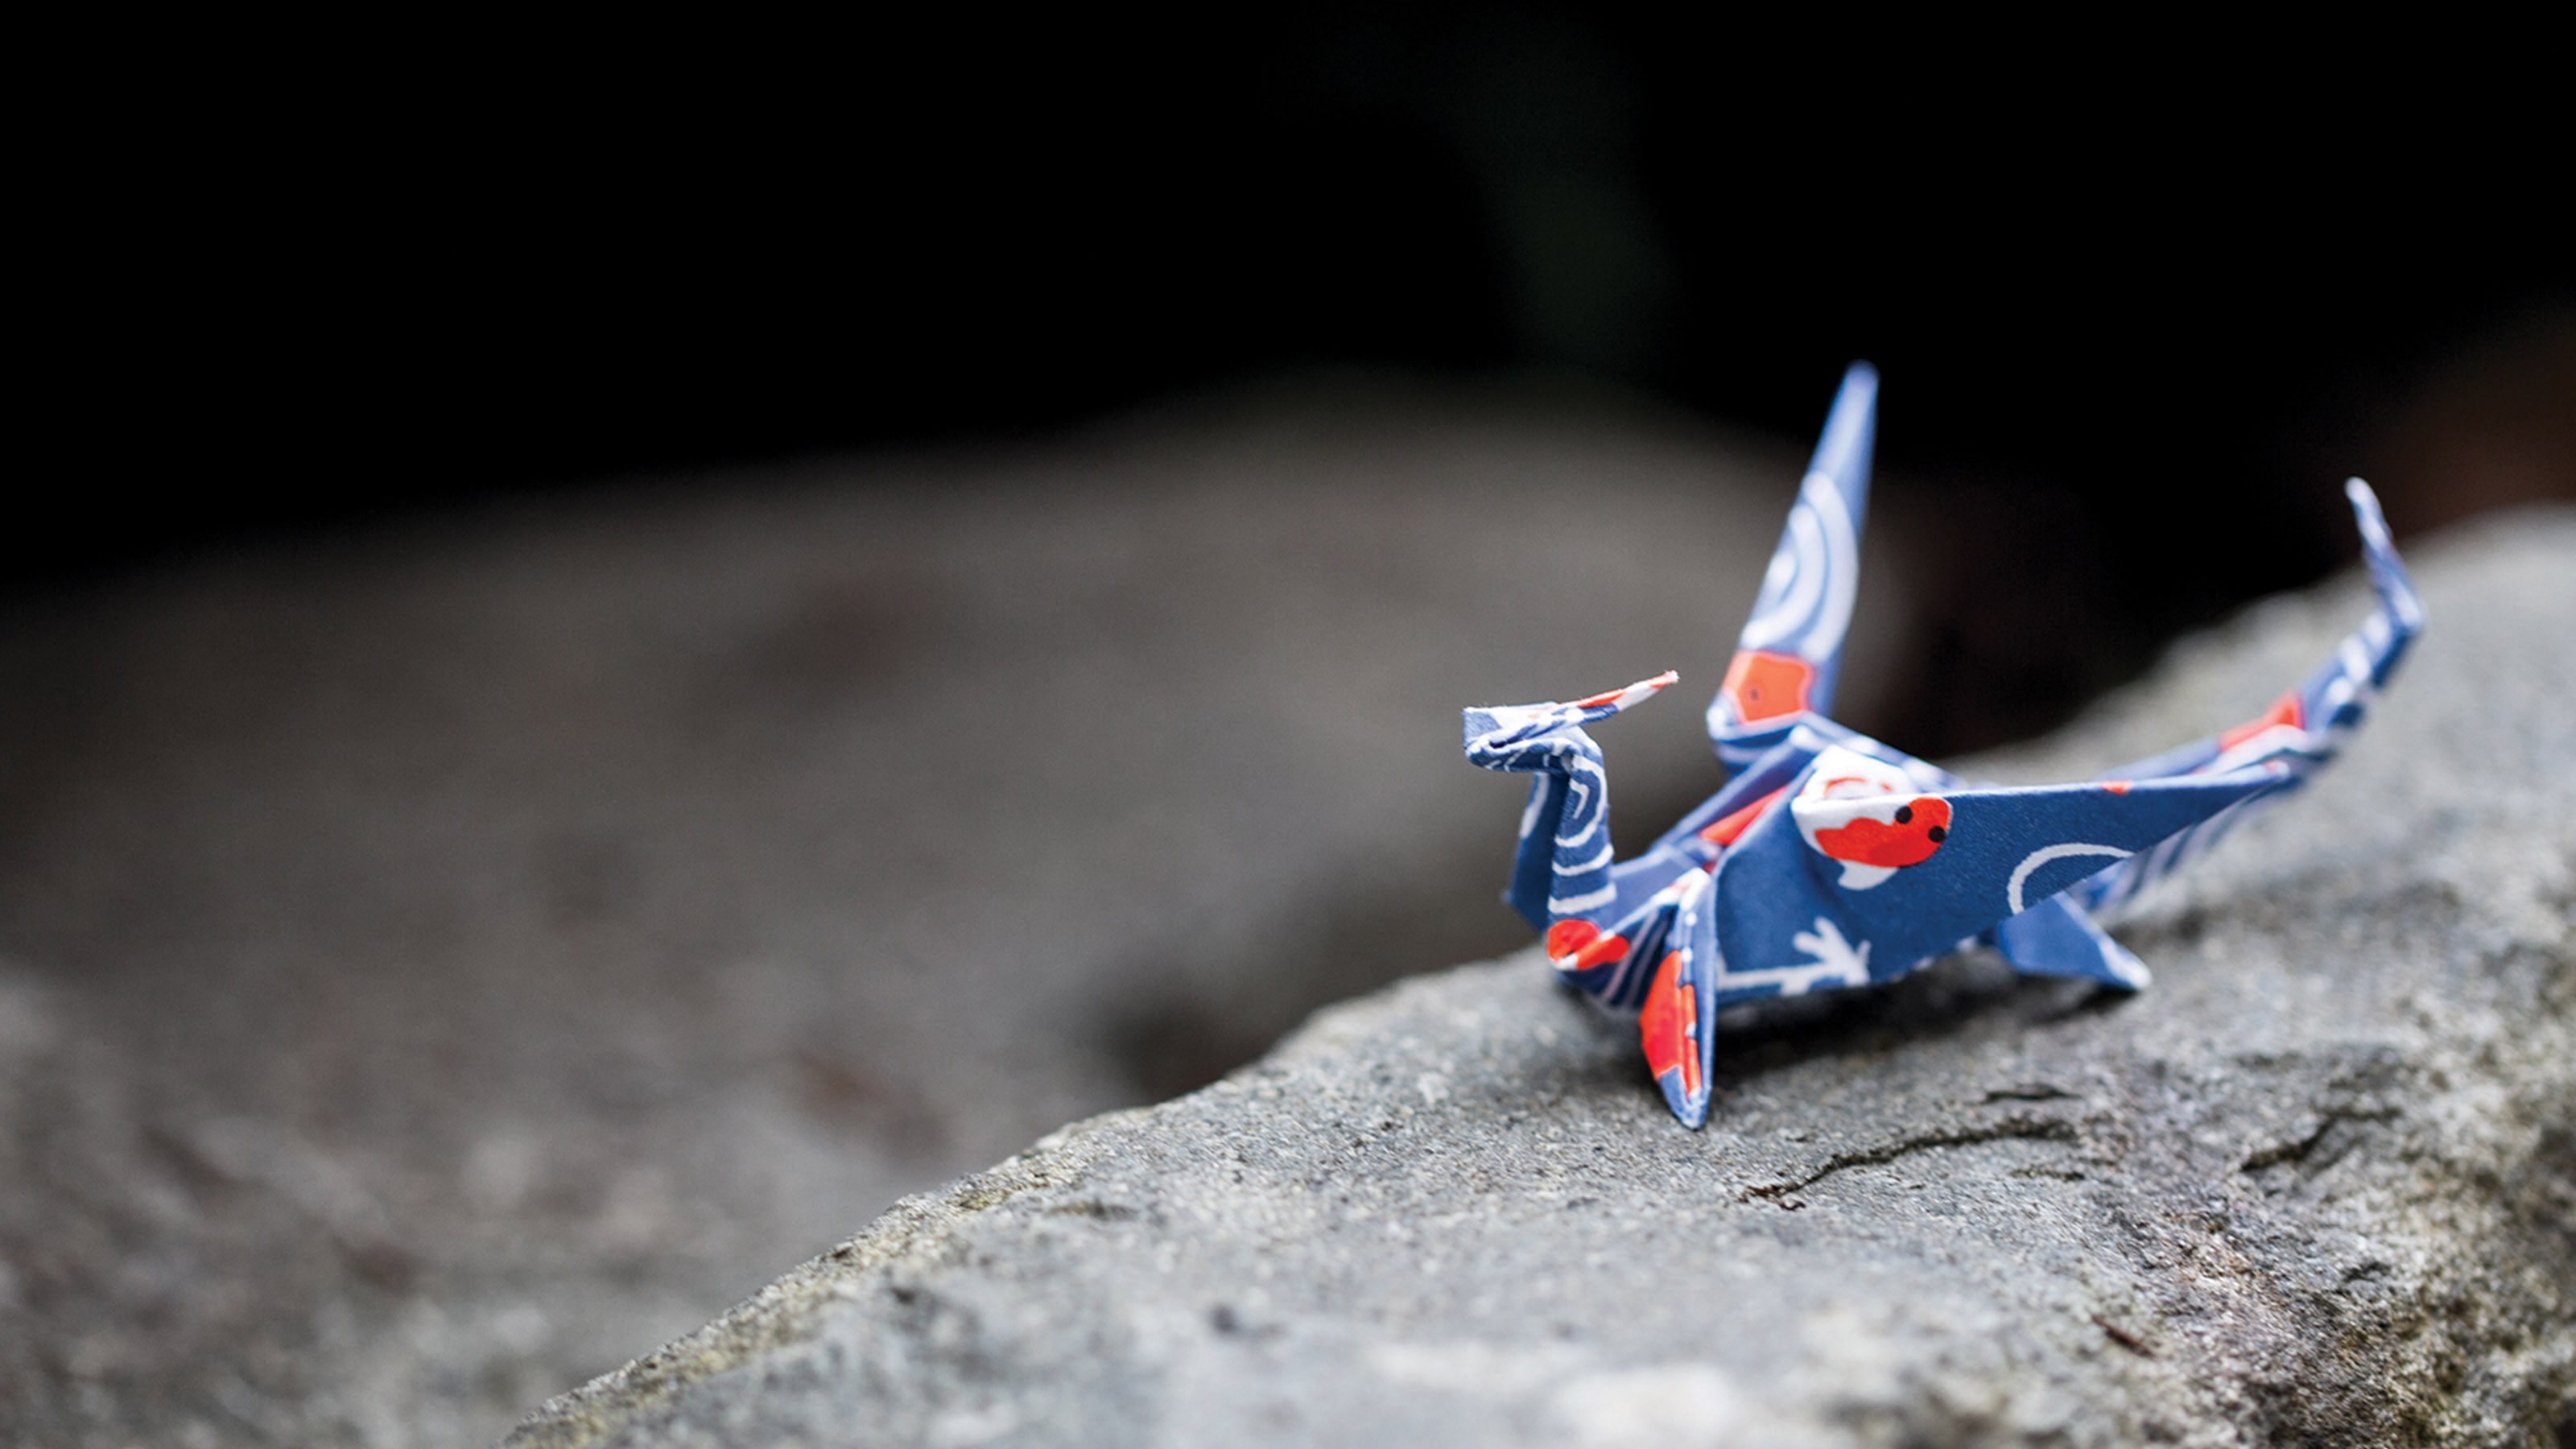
<point x="1904" y="814"/>
<point x="1936" y="835"/>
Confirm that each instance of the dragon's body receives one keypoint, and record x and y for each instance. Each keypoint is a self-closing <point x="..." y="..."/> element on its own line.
<point x="1833" y="860"/>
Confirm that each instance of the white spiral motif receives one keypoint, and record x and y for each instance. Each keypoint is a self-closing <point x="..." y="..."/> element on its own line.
<point x="2042" y="856"/>
<point x="1808" y="590"/>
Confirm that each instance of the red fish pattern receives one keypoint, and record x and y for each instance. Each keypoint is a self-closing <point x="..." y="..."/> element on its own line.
<point x="1579" y="945"/>
<point x="1832" y="860"/>
<point x="1668" y="1025"/>
<point x="1906" y="838"/>
<point x="1763" y="685"/>
<point x="2284" y="713"/>
<point x="1724" y="830"/>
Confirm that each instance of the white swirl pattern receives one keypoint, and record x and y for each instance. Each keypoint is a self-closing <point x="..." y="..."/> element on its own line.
<point x="1807" y="593"/>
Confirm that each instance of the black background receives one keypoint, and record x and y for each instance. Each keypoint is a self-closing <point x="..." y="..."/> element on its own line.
<point x="2135" y="326"/>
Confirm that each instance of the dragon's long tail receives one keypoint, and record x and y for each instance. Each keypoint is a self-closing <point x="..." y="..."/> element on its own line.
<point x="2301" y="731"/>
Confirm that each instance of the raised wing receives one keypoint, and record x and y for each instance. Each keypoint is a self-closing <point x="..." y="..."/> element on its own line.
<point x="1854" y="889"/>
<point x="1790" y="652"/>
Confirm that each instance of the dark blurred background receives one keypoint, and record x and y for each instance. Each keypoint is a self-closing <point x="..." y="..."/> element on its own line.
<point x="618" y="645"/>
<point x="2135" y="327"/>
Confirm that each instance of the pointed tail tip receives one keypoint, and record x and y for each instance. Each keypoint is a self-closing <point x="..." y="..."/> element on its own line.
<point x="2379" y="551"/>
<point x="2366" y="514"/>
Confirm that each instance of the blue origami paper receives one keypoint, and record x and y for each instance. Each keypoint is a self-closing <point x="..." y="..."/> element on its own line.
<point x="1831" y="860"/>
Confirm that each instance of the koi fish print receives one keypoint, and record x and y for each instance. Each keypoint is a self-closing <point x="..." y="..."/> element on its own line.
<point x="1830" y="860"/>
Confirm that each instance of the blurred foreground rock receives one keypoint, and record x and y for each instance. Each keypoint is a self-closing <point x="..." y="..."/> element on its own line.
<point x="441" y="962"/>
<point x="2318" y="1185"/>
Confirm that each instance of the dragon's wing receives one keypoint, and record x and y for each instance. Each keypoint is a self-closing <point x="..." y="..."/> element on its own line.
<point x="1861" y="889"/>
<point x="1791" y="649"/>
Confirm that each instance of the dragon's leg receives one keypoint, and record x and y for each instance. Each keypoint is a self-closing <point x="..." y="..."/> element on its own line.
<point x="2056" y="938"/>
<point x="1677" y="1021"/>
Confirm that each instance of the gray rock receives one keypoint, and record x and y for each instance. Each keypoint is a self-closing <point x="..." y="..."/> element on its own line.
<point x="441" y="962"/>
<point x="2318" y="1185"/>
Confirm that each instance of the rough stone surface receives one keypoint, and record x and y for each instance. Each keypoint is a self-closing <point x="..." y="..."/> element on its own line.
<point x="2317" y="1186"/>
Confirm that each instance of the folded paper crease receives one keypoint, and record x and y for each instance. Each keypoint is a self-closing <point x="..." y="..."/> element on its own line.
<point x="1831" y="860"/>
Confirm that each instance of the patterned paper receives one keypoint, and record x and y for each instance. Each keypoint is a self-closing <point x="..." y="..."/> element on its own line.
<point x="1831" y="860"/>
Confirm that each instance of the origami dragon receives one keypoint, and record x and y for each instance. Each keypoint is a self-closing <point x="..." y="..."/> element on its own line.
<point x="1831" y="860"/>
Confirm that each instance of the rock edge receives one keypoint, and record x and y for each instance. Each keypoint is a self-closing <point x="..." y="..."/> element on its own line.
<point x="2318" y="1184"/>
